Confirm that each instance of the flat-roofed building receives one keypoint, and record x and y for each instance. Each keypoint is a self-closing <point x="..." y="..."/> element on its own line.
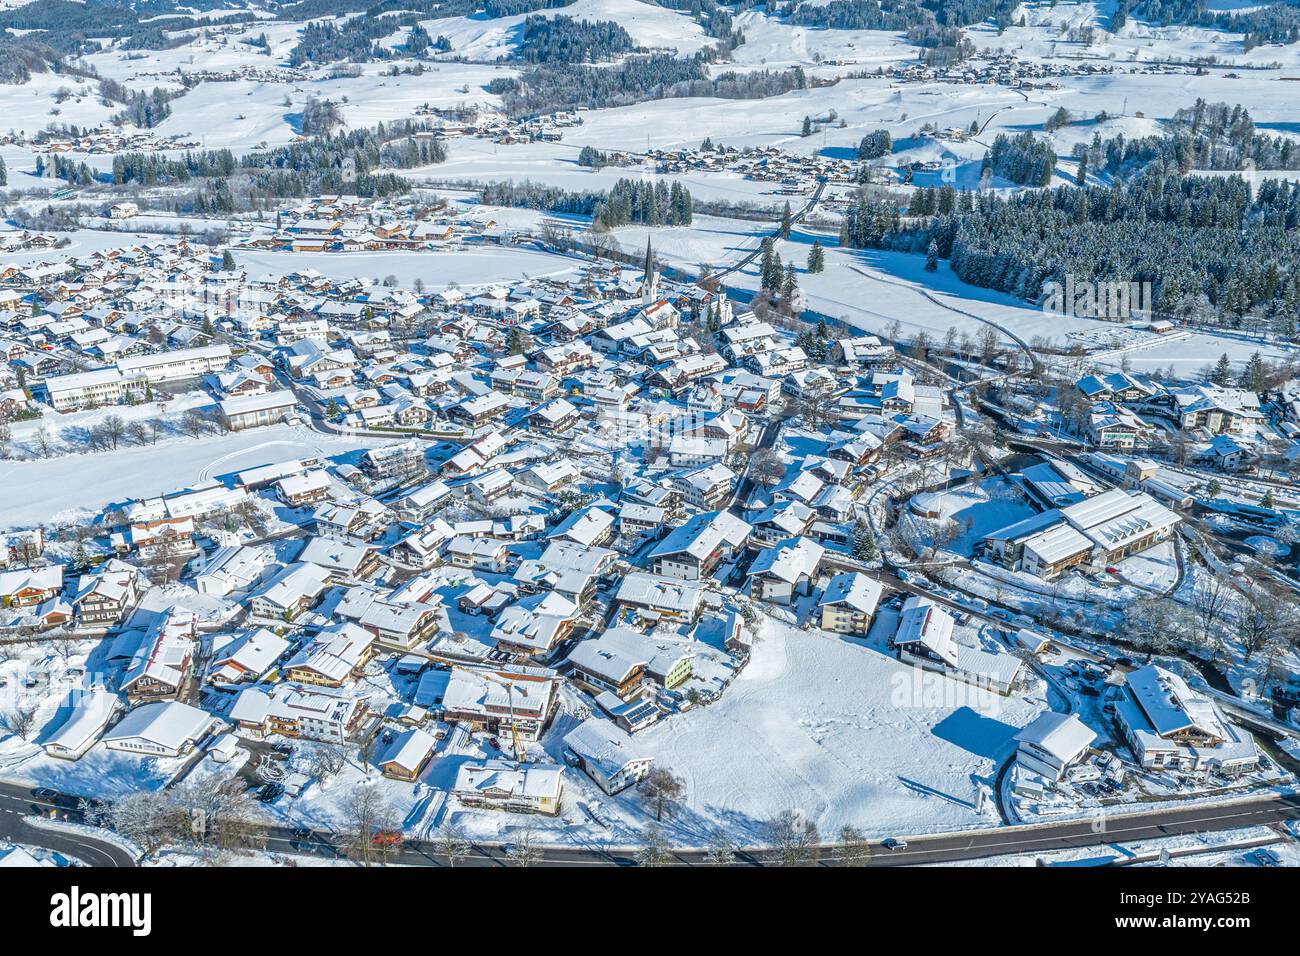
<point x="251" y="411"/>
<point x="85" y="389"/>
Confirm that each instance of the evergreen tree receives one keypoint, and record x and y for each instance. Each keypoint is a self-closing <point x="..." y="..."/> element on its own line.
<point x="932" y="256"/>
<point x="786" y="221"/>
<point x="1221" y="375"/>
<point x="875" y="145"/>
<point x="807" y="126"/>
<point x="770" y="271"/>
<point x="864" y="541"/>
<point x="1255" y="376"/>
<point x="227" y="262"/>
<point x="816" y="257"/>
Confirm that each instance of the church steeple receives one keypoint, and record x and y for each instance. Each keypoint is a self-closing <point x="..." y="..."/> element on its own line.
<point x="649" y="281"/>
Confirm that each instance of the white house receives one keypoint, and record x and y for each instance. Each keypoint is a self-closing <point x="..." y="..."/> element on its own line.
<point x="91" y="713"/>
<point x="160" y="729"/>
<point x="499" y="785"/>
<point x="1052" y="742"/>
<point x="1167" y="724"/>
<point x="606" y="754"/>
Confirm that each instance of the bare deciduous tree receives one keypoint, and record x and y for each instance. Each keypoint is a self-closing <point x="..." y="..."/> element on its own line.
<point x="660" y="788"/>
<point x="366" y="815"/>
<point x="654" y="849"/>
<point x="524" y="851"/>
<point x="721" y="850"/>
<point x="453" y="843"/>
<point x="795" y="838"/>
<point x="854" y="848"/>
<point x="19" y="720"/>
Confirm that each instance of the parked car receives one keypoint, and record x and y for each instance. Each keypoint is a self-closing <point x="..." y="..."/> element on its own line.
<point x="270" y="792"/>
<point x="892" y="843"/>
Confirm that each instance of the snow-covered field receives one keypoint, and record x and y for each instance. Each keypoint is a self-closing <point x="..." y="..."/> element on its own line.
<point x="477" y="37"/>
<point x="831" y="728"/>
<point x="486" y="265"/>
<point x="55" y="489"/>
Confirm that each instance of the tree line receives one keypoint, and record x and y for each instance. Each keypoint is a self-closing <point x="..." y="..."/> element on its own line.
<point x="548" y="87"/>
<point x="628" y="201"/>
<point x="566" y="40"/>
<point x="1212" y="251"/>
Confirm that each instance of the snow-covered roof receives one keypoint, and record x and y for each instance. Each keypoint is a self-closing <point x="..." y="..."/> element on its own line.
<point x="169" y="725"/>
<point x="854" y="589"/>
<point x="924" y="622"/>
<point x="1063" y="736"/>
<point x="600" y="743"/>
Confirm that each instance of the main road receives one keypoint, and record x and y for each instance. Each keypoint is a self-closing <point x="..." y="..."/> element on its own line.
<point x="17" y="803"/>
<point x="1099" y="831"/>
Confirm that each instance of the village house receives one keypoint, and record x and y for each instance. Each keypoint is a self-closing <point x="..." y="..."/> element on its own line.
<point x="295" y="589"/>
<point x="504" y="702"/>
<point x="499" y="785"/>
<point x="409" y="755"/>
<point x="255" y="410"/>
<point x="1170" y="726"/>
<point x="848" y="603"/>
<point x="164" y="660"/>
<point x="291" y="710"/>
<point x="656" y="599"/>
<point x="29" y="586"/>
<point x="93" y="711"/>
<point x="337" y="655"/>
<point x="103" y="596"/>
<point x="160" y="729"/>
<point x="694" y="550"/>
<point x="606" y="754"/>
<point x="247" y="658"/>
<point x="785" y="571"/>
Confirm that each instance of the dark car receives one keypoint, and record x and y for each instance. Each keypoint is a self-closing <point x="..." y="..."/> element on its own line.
<point x="270" y="792"/>
<point x="48" y="795"/>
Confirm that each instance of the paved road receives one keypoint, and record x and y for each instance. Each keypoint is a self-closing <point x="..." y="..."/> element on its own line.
<point x="1164" y="822"/>
<point x="745" y="486"/>
<point x="945" y="848"/>
<point x="17" y="803"/>
<point x="796" y="217"/>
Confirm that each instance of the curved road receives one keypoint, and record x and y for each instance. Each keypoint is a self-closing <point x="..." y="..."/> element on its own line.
<point x="18" y="803"/>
